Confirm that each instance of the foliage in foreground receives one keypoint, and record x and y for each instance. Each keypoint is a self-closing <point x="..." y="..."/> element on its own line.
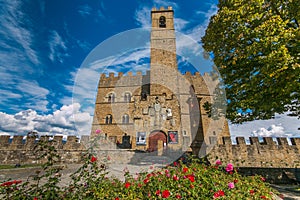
<point x="179" y="181"/>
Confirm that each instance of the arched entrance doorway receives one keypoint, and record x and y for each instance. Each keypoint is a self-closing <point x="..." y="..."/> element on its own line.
<point x="154" y="137"/>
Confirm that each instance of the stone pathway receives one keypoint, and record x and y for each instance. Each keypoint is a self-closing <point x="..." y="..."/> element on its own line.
<point x="288" y="191"/>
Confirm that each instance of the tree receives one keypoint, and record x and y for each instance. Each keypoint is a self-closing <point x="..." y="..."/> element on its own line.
<point x="256" y="48"/>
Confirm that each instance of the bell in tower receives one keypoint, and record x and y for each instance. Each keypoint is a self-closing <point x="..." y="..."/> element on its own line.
<point x="163" y="61"/>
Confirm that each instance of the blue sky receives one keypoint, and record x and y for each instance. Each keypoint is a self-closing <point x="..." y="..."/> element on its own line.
<point x="45" y="46"/>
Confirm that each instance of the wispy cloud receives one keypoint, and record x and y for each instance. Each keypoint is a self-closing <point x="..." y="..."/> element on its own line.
<point x="84" y="10"/>
<point x="86" y="78"/>
<point x="142" y="17"/>
<point x="13" y="32"/>
<point x="67" y="120"/>
<point x="198" y="31"/>
<point x="57" y="46"/>
<point x="158" y="3"/>
<point x="92" y="12"/>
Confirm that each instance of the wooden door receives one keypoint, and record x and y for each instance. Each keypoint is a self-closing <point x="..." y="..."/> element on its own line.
<point x="153" y="140"/>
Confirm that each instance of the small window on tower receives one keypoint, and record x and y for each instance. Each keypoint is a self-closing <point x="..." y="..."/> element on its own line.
<point x="162" y="22"/>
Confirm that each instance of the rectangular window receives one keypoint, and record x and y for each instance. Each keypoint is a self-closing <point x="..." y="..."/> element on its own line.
<point x="141" y="138"/>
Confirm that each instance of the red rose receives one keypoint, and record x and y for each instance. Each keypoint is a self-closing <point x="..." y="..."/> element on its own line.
<point x="157" y="192"/>
<point x="191" y="178"/>
<point x="165" y="194"/>
<point x="146" y="181"/>
<point x="178" y="196"/>
<point x="93" y="159"/>
<point x="127" y="185"/>
<point x="175" y="178"/>
<point x="251" y="191"/>
<point x="218" y="194"/>
<point x="185" y="169"/>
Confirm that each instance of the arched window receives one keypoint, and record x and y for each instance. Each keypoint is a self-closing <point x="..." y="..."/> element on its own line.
<point x="127" y="97"/>
<point x="108" y="119"/>
<point x="125" y="119"/>
<point x="111" y="97"/>
<point x="162" y="22"/>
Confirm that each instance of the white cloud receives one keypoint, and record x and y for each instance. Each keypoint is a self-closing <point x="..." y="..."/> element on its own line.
<point x="58" y="48"/>
<point x="142" y="17"/>
<point x="198" y="31"/>
<point x="19" y="37"/>
<point x="179" y="24"/>
<point x="67" y="120"/>
<point x="272" y="131"/>
<point x="281" y="126"/>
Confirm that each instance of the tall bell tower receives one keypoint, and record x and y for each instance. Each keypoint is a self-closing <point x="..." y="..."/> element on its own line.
<point x="163" y="62"/>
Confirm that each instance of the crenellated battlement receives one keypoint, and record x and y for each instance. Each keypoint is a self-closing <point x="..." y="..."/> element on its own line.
<point x="128" y="79"/>
<point x="20" y="149"/>
<point x="258" y="152"/>
<point x="26" y="143"/>
<point x="162" y="8"/>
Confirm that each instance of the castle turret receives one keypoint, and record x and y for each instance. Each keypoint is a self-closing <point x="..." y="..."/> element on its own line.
<point x="163" y="62"/>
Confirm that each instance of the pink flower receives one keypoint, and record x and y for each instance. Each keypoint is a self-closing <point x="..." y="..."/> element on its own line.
<point x="98" y="131"/>
<point x="263" y="179"/>
<point x="229" y="167"/>
<point x="108" y="158"/>
<point x="231" y="185"/>
<point x="218" y="162"/>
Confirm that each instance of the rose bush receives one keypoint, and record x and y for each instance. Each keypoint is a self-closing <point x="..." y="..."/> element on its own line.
<point x="194" y="180"/>
<point x="179" y="181"/>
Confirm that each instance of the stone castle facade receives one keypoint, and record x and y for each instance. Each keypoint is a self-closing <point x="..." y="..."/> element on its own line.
<point x="161" y="108"/>
<point x="158" y="111"/>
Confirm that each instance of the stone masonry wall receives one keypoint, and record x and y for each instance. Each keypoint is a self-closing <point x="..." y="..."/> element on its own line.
<point x="19" y="151"/>
<point x="265" y="153"/>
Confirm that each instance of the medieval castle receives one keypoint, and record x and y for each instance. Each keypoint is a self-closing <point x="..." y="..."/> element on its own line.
<point x="161" y="107"/>
<point x="157" y="112"/>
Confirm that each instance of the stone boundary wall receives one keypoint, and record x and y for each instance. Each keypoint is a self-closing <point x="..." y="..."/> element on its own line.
<point x="20" y="151"/>
<point x="266" y="152"/>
